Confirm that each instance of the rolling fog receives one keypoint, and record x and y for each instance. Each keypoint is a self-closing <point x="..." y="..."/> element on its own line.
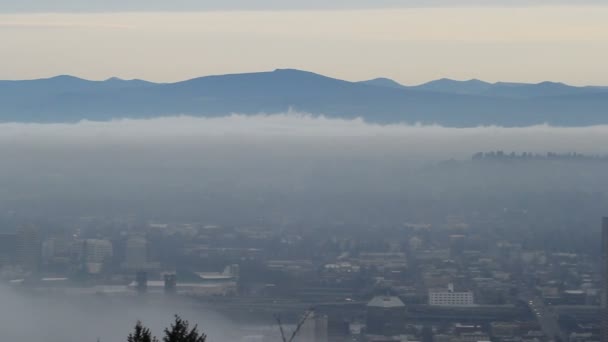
<point x="289" y="166"/>
<point x="280" y="134"/>
<point x="279" y="169"/>
<point x="28" y="317"/>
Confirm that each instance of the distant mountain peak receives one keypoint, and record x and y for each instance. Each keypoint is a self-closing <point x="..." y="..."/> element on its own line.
<point x="288" y="70"/>
<point x="453" y="81"/>
<point x="448" y="85"/>
<point x="65" y="78"/>
<point x="294" y="71"/>
<point x="383" y="82"/>
<point x="446" y="101"/>
<point x="551" y="83"/>
<point x="476" y="80"/>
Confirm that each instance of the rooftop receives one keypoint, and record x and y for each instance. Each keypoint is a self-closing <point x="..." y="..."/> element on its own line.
<point x="386" y="302"/>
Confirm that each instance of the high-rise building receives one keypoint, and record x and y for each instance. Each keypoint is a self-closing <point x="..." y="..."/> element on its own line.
<point x="96" y="254"/>
<point x="56" y="254"/>
<point x="28" y="248"/>
<point x="8" y="249"/>
<point x="97" y="251"/>
<point x="136" y="253"/>
<point x="604" y="323"/>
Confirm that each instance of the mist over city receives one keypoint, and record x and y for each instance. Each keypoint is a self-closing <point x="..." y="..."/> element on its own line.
<point x="304" y="171"/>
<point x="259" y="166"/>
<point x="180" y="185"/>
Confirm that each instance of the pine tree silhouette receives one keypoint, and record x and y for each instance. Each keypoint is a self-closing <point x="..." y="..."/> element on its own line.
<point x="141" y="334"/>
<point x="180" y="332"/>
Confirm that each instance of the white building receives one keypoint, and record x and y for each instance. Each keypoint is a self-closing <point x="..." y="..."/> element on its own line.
<point x="450" y="297"/>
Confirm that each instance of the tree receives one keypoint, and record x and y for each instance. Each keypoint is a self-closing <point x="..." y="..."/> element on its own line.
<point x="180" y="331"/>
<point x="141" y="334"/>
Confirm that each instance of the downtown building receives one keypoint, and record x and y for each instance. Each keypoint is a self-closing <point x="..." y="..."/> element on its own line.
<point x="450" y="297"/>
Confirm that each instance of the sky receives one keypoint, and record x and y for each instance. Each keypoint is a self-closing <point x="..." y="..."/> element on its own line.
<point x="410" y="41"/>
<point x="186" y="5"/>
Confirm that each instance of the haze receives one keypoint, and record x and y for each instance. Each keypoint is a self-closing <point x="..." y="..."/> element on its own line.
<point x="388" y="170"/>
<point x="243" y="165"/>
<point x="412" y="45"/>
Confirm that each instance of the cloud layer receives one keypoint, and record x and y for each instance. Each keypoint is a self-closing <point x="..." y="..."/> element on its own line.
<point x="295" y="133"/>
<point x="59" y="318"/>
<point x="289" y="168"/>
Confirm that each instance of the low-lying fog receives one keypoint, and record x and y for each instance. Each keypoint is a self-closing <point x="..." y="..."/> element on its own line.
<point x="291" y="134"/>
<point x="27" y="317"/>
<point x="274" y="169"/>
<point x="284" y="166"/>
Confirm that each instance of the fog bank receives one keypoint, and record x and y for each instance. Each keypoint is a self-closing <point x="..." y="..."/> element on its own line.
<point x="290" y="167"/>
<point x="294" y="133"/>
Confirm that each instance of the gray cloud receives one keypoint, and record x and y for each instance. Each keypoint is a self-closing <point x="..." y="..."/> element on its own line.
<point x="64" y="318"/>
<point x="187" y="5"/>
<point x="306" y="134"/>
<point x="240" y="169"/>
<point x="260" y="168"/>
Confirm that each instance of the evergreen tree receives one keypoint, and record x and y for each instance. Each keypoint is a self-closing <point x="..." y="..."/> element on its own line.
<point x="141" y="334"/>
<point x="180" y="332"/>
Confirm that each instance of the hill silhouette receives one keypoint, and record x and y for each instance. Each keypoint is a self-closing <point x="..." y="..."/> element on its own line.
<point x="444" y="102"/>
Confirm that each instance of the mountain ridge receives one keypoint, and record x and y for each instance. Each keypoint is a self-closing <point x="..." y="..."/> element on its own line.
<point x="445" y="102"/>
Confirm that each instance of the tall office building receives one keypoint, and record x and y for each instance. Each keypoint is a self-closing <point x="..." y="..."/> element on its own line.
<point x="604" y="323"/>
<point x="8" y="249"/>
<point x="28" y="248"/>
<point x="136" y="253"/>
<point x="97" y="251"/>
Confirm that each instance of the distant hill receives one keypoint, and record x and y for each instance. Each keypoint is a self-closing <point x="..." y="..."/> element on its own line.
<point x="506" y="89"/>
<point x="444" y="102"/>
<point x="446" y="85"/>
<point x="522" y="90"/>
<point x="384" y="82"/>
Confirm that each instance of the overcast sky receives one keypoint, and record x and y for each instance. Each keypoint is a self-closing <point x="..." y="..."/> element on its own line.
<point x="185" y="5"/>
<point x="412" y="41"/>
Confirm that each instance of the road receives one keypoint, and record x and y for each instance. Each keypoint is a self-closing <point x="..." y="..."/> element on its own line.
<point x="546" y="317"/>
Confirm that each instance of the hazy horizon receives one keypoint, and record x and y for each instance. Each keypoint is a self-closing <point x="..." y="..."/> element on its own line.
<point x="306" y="129"/>
<point x="523" y="43"/>
<point x="288" y="68"/>
<point x="245" y="168"/>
